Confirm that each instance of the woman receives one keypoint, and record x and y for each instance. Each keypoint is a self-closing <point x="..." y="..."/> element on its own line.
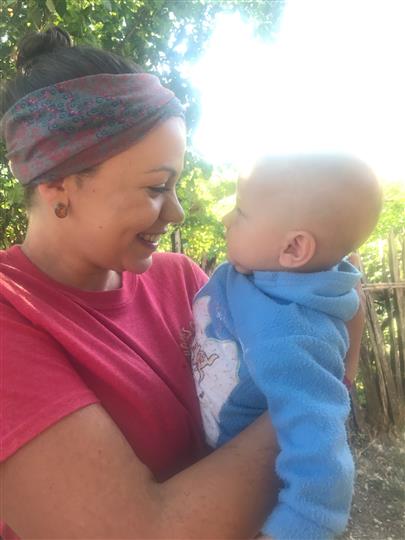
<point x="101" y="428"/>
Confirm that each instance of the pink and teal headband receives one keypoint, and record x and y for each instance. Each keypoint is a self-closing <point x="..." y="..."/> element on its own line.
<point x="70" y="126"/>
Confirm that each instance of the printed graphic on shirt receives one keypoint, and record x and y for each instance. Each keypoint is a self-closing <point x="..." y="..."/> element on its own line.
<point x="186" y="340"/>
<point x="215" y="366"/>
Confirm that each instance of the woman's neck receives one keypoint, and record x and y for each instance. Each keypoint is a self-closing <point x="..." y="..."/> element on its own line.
<point x="52" y="259"/>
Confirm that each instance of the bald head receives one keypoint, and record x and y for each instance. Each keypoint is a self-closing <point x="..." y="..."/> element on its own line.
<point x="337" y="198"/>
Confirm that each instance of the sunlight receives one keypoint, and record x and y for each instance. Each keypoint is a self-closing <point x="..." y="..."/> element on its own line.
<point x="332" y="80"/>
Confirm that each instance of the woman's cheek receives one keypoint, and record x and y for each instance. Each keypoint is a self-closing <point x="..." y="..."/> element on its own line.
<point x="155" y="206"/>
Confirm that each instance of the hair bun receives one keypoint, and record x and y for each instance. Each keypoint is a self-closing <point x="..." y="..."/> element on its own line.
<point x="33" y="45"/>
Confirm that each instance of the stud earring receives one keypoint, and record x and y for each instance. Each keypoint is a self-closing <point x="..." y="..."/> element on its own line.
<point x="61" y="210"/>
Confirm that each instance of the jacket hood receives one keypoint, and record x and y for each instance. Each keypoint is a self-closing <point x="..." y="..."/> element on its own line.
<point x="330" y="291"/>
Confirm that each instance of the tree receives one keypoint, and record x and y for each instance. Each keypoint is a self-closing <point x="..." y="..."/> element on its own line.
<point x="148" y="31"/>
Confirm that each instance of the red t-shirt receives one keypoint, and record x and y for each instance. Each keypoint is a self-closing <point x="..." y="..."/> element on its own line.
<point x="62" y="349"/>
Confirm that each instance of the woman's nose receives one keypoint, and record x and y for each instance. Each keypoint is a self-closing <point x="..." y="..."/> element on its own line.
<point x="173" y="212"/>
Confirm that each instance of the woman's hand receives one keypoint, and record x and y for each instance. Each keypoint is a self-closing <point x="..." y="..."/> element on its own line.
<point x="355" y="328"/>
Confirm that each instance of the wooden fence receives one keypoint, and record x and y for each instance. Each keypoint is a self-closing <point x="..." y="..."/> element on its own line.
<point x="379" y="394"/>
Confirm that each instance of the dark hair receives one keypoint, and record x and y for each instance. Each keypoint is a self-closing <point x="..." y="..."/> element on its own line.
<point x="49" y="57"/>
<point x="46" y="58"/>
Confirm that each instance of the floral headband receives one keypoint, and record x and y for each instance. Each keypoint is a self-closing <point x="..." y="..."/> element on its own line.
<point x="70" y="126"/>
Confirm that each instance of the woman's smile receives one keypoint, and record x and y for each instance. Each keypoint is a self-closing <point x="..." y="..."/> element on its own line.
<point x="150" y="240"/>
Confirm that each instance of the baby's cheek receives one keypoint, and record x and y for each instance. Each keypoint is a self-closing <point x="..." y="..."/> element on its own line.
<point x="232" y="246"/>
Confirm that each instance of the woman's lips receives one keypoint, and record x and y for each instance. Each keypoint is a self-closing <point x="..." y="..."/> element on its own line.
<point x="150" y="240"/>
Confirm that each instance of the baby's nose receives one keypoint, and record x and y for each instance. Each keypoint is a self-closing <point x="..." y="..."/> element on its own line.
<point x="226" y="220"/>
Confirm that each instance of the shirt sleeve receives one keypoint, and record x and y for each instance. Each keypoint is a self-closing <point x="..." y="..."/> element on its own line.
<point x="38" y="384"/>
<point x="308" y="407"/>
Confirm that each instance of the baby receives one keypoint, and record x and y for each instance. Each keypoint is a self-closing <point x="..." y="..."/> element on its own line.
<point x="271" y="334"/>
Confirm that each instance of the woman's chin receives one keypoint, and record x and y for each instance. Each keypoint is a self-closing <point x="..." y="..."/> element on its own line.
<point x="137" y="266"/>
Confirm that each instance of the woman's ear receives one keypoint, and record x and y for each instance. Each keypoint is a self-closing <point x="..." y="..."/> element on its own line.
<point x="297" y="250"/>
<point x="53" y="192"/>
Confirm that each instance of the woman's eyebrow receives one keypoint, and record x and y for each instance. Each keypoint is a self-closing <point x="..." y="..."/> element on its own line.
<point x="164" y="168"/>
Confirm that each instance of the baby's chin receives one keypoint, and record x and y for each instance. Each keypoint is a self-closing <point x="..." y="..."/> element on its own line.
<point x="238" y="267"/>
<point x="241" y="269"/>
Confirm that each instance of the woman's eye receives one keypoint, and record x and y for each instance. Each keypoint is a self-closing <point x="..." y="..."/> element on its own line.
<point x="159" y="189"/>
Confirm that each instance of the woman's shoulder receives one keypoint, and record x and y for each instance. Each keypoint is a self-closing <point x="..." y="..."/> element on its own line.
<point x="8" y="255"/>
<point x="12" y="259"/>
<point x="173" y="275"/>
<point x="173" y="259"/>
<point x="176" y="268"/>
<point x="9" y="266"/>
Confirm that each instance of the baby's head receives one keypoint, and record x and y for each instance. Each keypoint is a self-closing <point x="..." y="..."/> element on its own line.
<point x="302" y="213"/>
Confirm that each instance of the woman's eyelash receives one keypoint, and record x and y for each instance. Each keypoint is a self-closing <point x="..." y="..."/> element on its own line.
<point x="159" y="189"/>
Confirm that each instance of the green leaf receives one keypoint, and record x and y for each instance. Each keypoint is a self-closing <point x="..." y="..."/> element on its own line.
<point x="36" y="15"/>
<point x="60" y="6"/>
<point x="51" y="6"/>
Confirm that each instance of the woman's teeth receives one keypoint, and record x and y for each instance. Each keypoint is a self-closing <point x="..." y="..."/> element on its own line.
<point x="153" y="238"/>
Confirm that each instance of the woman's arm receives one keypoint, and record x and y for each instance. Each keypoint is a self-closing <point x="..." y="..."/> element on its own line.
<point x="80" y="479"/>
<point x="355" y="328"/>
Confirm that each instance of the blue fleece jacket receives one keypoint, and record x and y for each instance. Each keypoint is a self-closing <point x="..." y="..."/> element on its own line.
<point x="278" y="340"/>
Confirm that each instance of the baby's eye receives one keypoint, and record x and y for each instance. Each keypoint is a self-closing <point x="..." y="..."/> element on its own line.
<point x="239" y="211"/>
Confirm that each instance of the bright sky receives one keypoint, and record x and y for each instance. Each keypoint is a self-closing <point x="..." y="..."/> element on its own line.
<point x="332" y="80"/>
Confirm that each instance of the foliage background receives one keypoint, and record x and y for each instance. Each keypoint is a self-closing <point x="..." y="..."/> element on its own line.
<point x="150" y="32"/>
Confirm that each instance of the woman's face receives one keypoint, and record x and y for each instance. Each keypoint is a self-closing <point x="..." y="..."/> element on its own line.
<point x="117" y="216"/>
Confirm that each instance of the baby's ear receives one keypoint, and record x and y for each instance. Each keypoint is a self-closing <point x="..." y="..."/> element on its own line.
<point x="297" y="249"/>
